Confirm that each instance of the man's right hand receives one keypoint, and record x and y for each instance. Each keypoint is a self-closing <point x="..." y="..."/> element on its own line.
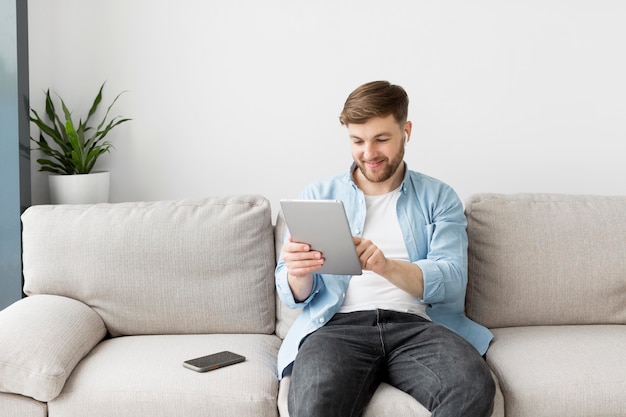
<point x="301" y="263"/>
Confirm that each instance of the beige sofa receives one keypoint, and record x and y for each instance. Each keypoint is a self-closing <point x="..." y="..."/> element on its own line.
<point x="119" y="295"/>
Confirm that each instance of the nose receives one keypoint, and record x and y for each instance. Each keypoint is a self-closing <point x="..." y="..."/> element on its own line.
<point x="369" y="150"/>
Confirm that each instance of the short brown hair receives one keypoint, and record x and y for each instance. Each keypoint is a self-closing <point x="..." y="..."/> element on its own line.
<point x="375" y="99"/>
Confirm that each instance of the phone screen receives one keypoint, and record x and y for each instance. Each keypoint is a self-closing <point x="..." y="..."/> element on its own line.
<point x="213" y="361"/>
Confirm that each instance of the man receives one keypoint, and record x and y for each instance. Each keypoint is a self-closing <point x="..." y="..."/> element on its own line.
<point x="402" y="321"/>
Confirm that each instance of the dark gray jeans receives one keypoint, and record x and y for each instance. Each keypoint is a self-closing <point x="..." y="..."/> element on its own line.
<point x="340" y="365"/>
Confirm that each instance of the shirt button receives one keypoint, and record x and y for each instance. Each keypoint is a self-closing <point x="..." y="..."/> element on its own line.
<point x="356" y="231"/>
<point x="321" y="319"/>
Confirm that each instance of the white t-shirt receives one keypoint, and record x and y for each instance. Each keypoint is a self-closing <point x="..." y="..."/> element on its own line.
<point x="371" y="291"/>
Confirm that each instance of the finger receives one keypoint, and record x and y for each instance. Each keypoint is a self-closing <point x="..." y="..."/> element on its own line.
<point x="362" y="246"/>
<point x="302" y="256"/>
<point x="367" y="256"/>
<point x="302" y="268"/>
<point x="296" y="247"/>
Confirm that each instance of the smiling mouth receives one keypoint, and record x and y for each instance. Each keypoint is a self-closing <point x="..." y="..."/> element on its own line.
<point x="374" y="164"/>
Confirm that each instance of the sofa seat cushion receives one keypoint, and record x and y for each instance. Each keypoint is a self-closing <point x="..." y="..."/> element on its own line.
<point x="13" y="405"/>
<point x="389" y="401"/>
<point x="561" y="370"/>
<point x="143" y="376"/>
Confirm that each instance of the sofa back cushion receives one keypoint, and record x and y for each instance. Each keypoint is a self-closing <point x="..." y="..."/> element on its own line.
<point x="186" y="266"/>
<point x="285" y="316"/>
<point x="546" y="259"/>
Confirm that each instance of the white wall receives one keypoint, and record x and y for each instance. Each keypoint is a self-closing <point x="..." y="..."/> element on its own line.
<point x="243" y="96"/>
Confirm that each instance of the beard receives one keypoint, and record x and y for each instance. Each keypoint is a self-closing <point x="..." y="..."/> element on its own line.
<point x="382" y="175"/>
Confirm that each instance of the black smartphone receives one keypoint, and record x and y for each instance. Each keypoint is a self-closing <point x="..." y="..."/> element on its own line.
<point x="213" y="361"/>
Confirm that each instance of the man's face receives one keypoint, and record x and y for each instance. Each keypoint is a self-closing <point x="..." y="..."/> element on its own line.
<point x="378" y="147"/>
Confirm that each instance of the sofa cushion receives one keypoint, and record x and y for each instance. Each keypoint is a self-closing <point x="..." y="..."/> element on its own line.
<point x="12" y="405"/>
<point x="143" y="376"/>
<point x="388" y="401"/>
<point x="539" y="259"/>
<point x="573" y="371"/>
<point x="185" y="266"/>
<point x="285" y="316"/>
<point x="42" y="338"/>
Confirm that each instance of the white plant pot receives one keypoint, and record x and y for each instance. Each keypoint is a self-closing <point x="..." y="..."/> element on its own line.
<point x="79" y="188"/>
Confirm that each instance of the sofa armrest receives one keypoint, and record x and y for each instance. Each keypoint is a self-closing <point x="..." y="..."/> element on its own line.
<point x="42" y="338"/>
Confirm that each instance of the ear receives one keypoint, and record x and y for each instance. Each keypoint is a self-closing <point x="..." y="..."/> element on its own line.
<point x="407" y="131"/>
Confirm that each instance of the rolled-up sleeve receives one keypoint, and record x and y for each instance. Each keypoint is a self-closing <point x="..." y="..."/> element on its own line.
<point x="444" y="266"/>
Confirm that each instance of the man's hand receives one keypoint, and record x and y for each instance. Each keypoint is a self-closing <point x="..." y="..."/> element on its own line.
<point x="301" y="263"/>
<point x="372" y="258"/>
<point x="404" y="275"/>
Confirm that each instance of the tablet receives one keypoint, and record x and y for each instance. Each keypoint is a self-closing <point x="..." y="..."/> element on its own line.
<point x="323" y="224"/>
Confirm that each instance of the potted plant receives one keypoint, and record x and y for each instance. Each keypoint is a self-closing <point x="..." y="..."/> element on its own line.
<point x="71" y="155"/>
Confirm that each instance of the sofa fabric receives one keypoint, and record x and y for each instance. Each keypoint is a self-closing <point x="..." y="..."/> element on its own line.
<point x="167" y="267"/>
<point x="546" y="259"/>
<point x="547" y="274"/>
<point x="143" y="375"/>
<point x="569" y="371"/>
<point x="285" y="316"/>
<point x="119" y="295"/>
<point x="389" y="401"/>
<point x="42" y="338"/>
<point x="14" y="405"/>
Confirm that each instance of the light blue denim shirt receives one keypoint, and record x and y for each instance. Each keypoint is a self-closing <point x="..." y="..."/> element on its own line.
<point x="433" y="226"/>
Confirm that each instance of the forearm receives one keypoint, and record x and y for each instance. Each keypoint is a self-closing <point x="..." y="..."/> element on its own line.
<point x="301" y="287"/>
<point x="406" y="276"/>
<point x="292" y="297"/>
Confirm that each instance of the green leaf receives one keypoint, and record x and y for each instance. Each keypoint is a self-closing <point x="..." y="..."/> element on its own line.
<point x="95" y="104"/>
<point x="51" y="166"/>
<point x="74" y="148"/>
<point x="50" y="111"/>
<point x="50" y="131"/>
